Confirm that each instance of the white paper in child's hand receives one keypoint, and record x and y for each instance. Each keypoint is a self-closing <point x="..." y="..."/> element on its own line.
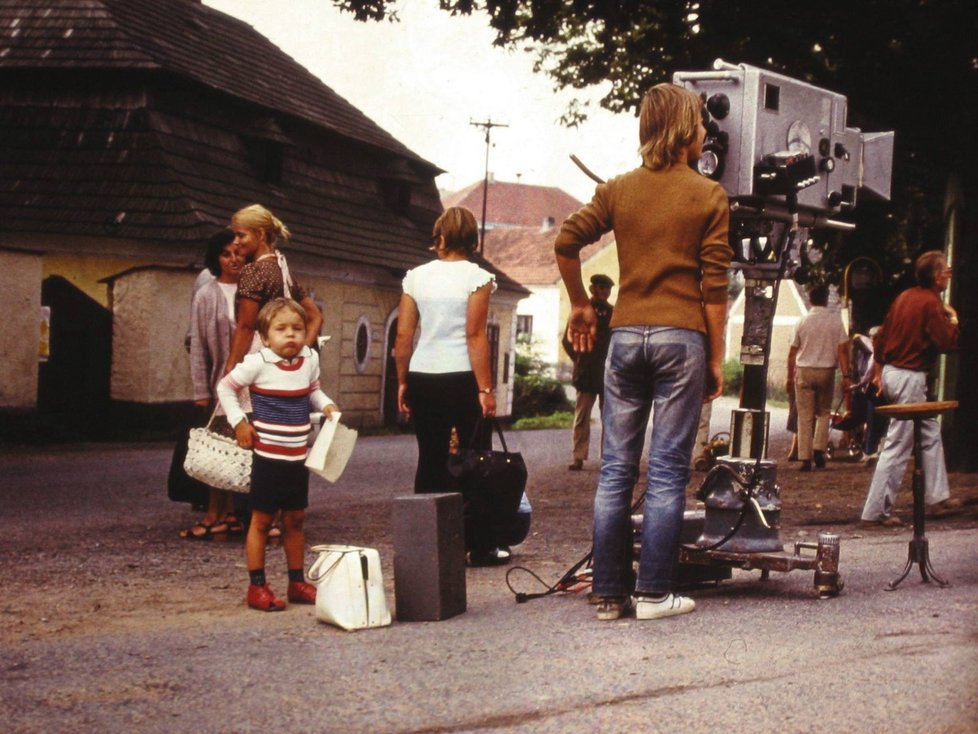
<point x="332" y="449"/>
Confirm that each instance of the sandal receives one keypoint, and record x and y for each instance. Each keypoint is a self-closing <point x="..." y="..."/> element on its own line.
<point x="209" y="531"/>
<point x="235" y="526"/>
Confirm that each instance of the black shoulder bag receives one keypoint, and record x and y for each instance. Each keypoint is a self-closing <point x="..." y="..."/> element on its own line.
<point x="491" y="483"/>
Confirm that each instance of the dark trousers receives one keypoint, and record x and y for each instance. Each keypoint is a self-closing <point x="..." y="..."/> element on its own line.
<point x="439" y="402"/>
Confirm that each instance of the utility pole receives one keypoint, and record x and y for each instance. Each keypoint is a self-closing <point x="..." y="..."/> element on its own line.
<point x="488" y="125"/>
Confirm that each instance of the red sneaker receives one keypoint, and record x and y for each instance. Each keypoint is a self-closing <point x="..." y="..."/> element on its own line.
<point x="301" y="592"/>
<point x="263" y="599"/>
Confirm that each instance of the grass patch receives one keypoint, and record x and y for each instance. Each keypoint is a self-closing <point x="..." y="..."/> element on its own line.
<point x="560" y="419"/>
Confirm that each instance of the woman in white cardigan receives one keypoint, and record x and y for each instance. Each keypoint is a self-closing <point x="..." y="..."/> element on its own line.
<point x="211" y="328"/>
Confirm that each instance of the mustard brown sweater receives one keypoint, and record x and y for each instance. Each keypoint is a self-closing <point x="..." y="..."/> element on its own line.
<point x="671" y="232"/>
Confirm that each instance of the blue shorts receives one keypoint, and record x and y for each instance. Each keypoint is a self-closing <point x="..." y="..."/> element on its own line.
<point x="278" y="485"/>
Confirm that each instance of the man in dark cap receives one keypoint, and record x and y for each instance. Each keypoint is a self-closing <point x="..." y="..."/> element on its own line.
<point x="588" y="377"/>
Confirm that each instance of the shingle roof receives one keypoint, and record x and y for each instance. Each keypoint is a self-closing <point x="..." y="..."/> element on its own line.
<point x="185" y="38"/>
<point x="119" y="163"/>
<point x="113" y="131"/>
<point x="515" y="204"/>
<point x="141" y="120"/>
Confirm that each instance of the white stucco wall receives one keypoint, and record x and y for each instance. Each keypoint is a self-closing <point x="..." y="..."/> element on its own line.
<point x="150" y="312"/>
<point x="789" y="311"/>
<point x="543" y="304"/>
<point x="20" y="303"/>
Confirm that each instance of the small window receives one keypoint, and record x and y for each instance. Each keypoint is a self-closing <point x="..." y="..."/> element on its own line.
<point x="772" y="97"/>
<point x="524" y="326"/>
<point x="361" y="344"/>
<point x="266" y="158"/>
<point x="397" y="195"/>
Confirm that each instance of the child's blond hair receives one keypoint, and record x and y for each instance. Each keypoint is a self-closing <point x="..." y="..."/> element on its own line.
<point x="271" y="309"/>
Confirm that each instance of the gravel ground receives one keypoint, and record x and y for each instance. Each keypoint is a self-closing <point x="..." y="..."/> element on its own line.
<point x="110" y="622"/>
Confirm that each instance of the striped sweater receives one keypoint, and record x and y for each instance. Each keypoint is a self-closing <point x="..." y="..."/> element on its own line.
<point x="283" y="393"/>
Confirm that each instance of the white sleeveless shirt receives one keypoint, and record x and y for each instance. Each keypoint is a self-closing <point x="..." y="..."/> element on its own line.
<point x="441" y="288"/>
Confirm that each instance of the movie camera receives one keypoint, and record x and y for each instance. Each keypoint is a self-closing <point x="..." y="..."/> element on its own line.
<point x="782" y="151"/>
<point x="772" y="139"/>
<point x="788" y="162"/>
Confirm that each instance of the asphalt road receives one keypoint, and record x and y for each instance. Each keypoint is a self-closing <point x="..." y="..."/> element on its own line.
<point x="109" y="623"/>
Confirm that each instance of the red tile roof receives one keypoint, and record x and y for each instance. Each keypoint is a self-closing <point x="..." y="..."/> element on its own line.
<point x="522" y="221"/>
<point x="515" y="204"/>
<point x="527" y="254"/>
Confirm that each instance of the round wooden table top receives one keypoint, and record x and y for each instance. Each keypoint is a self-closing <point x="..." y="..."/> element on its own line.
<point x="909" y="411"/>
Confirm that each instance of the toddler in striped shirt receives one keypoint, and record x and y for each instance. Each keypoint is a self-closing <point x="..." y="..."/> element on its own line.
<point x="283" y="383"/>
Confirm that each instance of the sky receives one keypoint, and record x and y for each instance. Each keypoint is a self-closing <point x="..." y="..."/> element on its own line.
<point x="426" y="78"/>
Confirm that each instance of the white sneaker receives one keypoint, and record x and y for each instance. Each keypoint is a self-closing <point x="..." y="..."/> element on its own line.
<point x="672" y="605"/>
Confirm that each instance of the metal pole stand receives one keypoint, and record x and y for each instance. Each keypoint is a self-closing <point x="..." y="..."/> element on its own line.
<point x="918" y="551"/>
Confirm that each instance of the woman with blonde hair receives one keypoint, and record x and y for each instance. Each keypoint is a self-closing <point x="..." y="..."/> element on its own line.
<point x="447" y="380"/>
<point x="264" y="277"/>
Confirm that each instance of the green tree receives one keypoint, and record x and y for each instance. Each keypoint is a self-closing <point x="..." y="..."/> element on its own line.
<point x="535" y="391"/>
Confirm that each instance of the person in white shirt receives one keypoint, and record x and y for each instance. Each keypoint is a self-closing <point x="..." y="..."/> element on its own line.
<point x="819" y="346"/>
<point x="446" y="380"/>
<point x="283" y="382"/>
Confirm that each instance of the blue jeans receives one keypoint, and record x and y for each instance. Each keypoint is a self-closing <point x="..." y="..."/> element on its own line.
<point x="647" y="367"/>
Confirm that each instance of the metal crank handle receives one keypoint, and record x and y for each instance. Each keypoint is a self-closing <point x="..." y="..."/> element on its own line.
<point x="759" y="512"/>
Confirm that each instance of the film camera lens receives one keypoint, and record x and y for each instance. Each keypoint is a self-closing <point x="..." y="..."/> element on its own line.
<point x="708" y="164"/>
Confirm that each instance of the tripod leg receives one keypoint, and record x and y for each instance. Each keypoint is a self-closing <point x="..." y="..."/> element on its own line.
<point x="926" y="568"/>
<point x="906" y="570"/>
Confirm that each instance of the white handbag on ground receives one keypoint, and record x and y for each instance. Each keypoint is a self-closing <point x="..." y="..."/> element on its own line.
<point x="350" y="587"/>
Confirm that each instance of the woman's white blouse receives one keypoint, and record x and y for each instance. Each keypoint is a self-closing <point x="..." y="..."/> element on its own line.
<point x="441" y="288"/>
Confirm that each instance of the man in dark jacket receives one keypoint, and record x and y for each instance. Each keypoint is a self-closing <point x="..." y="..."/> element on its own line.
<point x="588" y="379"/>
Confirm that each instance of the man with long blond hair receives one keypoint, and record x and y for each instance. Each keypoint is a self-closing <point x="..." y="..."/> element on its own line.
<point x="666" y="351"/>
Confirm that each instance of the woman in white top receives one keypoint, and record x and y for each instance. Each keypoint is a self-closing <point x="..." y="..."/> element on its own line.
<point x="446" y="380"/>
